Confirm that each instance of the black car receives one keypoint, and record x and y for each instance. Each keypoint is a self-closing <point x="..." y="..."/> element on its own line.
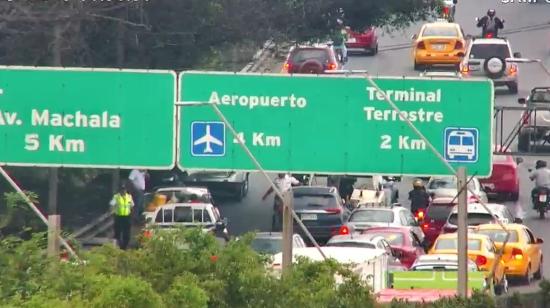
<point x="321" y="210"/>
<point x="220" y="183"/>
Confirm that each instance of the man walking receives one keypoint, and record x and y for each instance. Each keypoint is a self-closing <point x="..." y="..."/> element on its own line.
<point x="122" y="204"/>
<point x="137" y="178"/>
<point x="284" y="183"/>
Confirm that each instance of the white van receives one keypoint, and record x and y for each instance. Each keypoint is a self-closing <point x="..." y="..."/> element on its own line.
<point x="370" y="264"/>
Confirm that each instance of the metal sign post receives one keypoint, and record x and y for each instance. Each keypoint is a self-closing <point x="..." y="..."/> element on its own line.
<point x="288" y="207"/>
<point x="462" y="245"/>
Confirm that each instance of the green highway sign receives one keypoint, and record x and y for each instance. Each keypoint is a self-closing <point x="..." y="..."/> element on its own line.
<point x="335" y="124"/>
<point x="87" y="117"/>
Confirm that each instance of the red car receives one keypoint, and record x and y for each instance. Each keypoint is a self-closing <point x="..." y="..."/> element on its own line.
<point x="504" y="181"/>
<point x="310" y="60"/>
<point x="365" y="41"/>
<point x="403" y="241"/>
<point x="435" y="217"/>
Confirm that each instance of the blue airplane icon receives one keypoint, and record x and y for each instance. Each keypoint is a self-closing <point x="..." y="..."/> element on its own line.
<point x="207" y="134"/>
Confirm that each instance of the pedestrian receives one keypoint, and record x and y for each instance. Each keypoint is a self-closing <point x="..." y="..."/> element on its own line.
<point x="121" y="205"/>
<point x="137" y="178"/>
<point x="284" y="183"/>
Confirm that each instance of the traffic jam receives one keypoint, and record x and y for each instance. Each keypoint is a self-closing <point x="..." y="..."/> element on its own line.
<point x="404" y="251"/>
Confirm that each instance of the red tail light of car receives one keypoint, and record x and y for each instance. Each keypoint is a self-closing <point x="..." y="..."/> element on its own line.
<point x="459" y="45"/>
<point x="287" y="66"/>
<point x="513" y="69"/>
<point x="481" y="260"/>
<point x="344" y="230"/>
<point x="517" y="254"/>
<point x="464" y="69"/>
<point x="332" y="66"/>
<point x="421" y="45"/>
<point x="332" y="211"/>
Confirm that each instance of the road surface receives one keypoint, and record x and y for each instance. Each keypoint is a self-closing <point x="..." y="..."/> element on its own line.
<point x="254" y="214"/>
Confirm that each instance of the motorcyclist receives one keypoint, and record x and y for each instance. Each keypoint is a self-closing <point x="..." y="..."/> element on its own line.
<point x="418" y="196"/>
<point x="339" y="38"/>
<point x="490" y="23"/>
<point x="541" y="176"/>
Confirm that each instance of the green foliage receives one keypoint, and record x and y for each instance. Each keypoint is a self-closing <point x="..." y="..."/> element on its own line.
<point x="545" y="291"/>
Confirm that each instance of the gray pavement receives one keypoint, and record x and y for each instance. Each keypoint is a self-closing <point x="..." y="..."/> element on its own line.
<point x="254" y="214"/>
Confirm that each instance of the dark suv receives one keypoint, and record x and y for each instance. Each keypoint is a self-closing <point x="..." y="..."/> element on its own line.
<point x="321" y="210"/>
<point x="310" y="60"/>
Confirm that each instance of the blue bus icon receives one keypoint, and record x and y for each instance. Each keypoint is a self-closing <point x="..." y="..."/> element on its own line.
<point x="461" y="144"/>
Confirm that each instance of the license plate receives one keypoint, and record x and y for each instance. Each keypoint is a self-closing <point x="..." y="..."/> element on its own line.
<point x="438" y="47"/>
<point x="352" y="40"/>
<point x="542" y="198"/>
<point x="309" y="216"/>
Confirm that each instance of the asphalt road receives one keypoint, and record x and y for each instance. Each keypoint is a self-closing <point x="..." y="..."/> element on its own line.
<point x="393" y="60"/>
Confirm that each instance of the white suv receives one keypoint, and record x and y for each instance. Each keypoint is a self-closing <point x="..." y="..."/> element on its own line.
<point x="487" y="57"/>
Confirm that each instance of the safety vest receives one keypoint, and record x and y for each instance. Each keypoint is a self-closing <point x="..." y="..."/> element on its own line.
<point x="123" y="204"/>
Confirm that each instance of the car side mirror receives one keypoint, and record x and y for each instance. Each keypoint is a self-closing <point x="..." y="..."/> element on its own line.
<point x="517" y="54"/>
<point x="540" y="241"/>
<point x="460" y="54"/>
<point x="414" y="36"/>
<point x="519" y="160"/>
<point x="518" y="220"/>
<point x="522" y="101"/>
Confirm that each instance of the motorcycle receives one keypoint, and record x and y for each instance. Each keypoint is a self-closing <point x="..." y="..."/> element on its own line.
<point x="541" y="201"/>
<point x="488" y="34"/>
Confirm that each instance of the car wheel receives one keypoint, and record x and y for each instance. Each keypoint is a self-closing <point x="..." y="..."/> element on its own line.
<point x="244" y="189"/>
<point x="513" y="87"/>
<point x="524" y="139"/>
<point x="540" y="272"/>
<point x="514" y="196"/>
<point x="374" y="50"/>
<point x="527" y="278"/>
<point x="502" y="288"/>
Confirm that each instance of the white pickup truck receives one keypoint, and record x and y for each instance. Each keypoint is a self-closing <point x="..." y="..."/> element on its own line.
<point x="370" y="264"/>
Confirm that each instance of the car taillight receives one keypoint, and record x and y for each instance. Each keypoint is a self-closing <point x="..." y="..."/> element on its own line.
<point x="517" y="254"/>
<point x="513" y="69"/>
<point x="464" y="68"/>
<point x="331" y="66"/>
<point x="287" y="66"/>
<point x="344" y="230"/>
<point x="525" y="117"/>
<point x="421" y="45"/>
<point x="481" y="260"/>
<point x="335" y="210"/>
<point x="458" y="45"/>
<point x="147" y="234"/>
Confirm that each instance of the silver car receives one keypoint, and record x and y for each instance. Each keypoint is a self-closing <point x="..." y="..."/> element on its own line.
<point x="391" y="216"/>
<point x="271" y="243"/>
<point x="536" y="126"/>
<point x="446" y="186"/>
<point x="438" y="262"/>
<point x="487" y="57"/>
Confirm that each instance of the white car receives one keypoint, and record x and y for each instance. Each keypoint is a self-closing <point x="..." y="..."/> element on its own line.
<point x="477" y="215"/>
<point x="174" y="194"/>
<point x="187" y="215"/>
<point x="492" y="58"/>
<point x="446" y="186"/>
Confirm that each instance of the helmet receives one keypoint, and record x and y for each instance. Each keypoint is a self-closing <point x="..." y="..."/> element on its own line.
<point x="540" y="164"/>
<point x="491" y="13"/>
<point x="339" y="21"/>
<point x="418" y="183"/>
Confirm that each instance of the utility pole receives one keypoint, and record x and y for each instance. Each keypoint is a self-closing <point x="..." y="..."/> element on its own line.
<point x="462" y="233"/>
<point x="54" y="220"/>
<point x="288" y="207"/>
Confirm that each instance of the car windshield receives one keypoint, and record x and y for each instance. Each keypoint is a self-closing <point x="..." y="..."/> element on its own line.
<point x="178" y="196"/>
<point x="451" y="244"/>
<point x="540" y="97"/>
<point x="447" y="183"/>
<point x="439" y="212"/>
<point x="303" y="55"/>
<point x="393" y="238"/>
<point x="305" y="201"/>
<point x="499" y="236"/>
<point x="267" y="245"/>
<point x="486" y="51"/>
<point x="474" y="219"/>
<point x="372" y="215"/>
<point x="440" y="31"/>
<point x="351" y="244"/>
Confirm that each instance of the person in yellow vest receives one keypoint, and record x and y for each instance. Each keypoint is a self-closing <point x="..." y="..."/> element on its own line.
<point x="122" y="204"/>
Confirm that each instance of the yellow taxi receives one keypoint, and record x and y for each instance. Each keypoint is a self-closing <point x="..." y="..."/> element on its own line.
<point x="481" y="250"/>
<point x="439" y="43"/>
<point x="523" y="252"/>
